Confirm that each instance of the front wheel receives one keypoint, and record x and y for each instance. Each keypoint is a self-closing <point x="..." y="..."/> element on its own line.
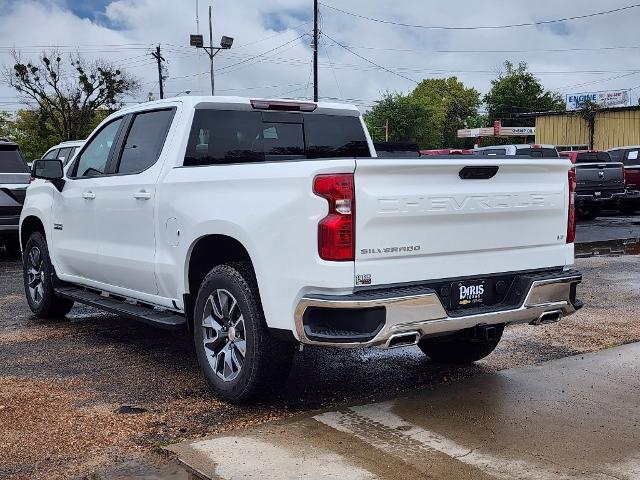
<point x="38" y="280"/>
<point x="461" y="347"/>
<point x="237" y="355"/>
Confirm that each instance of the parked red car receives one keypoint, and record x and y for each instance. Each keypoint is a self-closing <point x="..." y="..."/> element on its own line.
<point x="630" y="157"/>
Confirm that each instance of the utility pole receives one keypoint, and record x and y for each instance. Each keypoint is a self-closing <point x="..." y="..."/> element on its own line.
<point x="160" y="59"/>
<point x="198" y="42"/>
<point x="386" y="130"/>
<point x="315" y="50"/>
<point x="213" y="85"/>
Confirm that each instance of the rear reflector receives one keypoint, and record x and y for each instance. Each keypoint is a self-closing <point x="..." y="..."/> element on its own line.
<point x="571" y="221"/>
<point x="336" y="236"/>
<point x="283" y="106"/>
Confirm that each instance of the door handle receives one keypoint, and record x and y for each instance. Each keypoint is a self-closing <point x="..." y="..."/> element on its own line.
<point x="88" y="195"/>
<point x="142" y="195"/>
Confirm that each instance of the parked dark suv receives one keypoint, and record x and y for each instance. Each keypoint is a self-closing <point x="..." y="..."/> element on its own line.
<point x="14" y="180"/>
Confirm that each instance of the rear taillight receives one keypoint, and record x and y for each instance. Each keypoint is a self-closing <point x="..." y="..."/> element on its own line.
<point x="571" y="223"/>
<point x="336" y="236"/>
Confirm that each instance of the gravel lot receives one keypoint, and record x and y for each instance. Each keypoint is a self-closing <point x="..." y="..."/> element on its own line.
<point x="96" y="396"/>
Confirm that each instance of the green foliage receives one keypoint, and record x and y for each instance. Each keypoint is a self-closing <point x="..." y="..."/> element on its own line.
<point x="5" y="125"/>
<point x="517" y="91"/>
<point x="451" y="107"/>
<point x="406" y="116"/>
<point x="68" y="97"/>
<point x="33" y="133"/>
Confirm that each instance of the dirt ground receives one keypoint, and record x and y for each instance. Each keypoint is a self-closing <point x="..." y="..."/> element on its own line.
<point x="95" y="396"/>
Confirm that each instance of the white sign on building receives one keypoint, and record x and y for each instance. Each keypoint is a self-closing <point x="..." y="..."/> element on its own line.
<point x="606" y="99"/>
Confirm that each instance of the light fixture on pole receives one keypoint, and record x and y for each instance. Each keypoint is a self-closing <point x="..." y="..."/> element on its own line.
<point x="198" y="41"/>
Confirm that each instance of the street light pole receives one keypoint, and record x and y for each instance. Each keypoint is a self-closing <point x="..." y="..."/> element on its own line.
<point x="198" y="42"/>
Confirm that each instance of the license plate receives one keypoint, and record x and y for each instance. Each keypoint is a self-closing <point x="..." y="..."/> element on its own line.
<point x="598" y="194"/>
<point x="469" y="294"/>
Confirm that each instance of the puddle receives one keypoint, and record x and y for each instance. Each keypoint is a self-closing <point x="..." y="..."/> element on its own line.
<point x="609" y="248"/>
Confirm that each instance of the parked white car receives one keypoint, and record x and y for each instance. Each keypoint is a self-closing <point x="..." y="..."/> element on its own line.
<point x="64" y="151"/>
<point x="261" y="225"/>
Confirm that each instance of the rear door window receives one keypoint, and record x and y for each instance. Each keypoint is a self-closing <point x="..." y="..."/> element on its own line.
<point x="11" y="160"/>
<point x="145" y="140"/>
<point x="333" y="136"/>
<point x="224" y="137"/>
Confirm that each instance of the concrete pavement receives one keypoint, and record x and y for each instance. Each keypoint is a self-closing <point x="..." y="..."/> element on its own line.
<point x="576" y="417"/>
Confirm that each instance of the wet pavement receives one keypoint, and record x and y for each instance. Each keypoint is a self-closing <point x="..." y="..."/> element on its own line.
<point x="609" y="226"/>
<point x="571" y="418"/>
<point x="98" y="396"/>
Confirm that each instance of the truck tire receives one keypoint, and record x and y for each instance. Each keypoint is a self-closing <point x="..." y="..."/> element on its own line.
<point x="459" y="348"/>
<point x="38" y="280"/>
<point x="238" y="357"/>
<point x="628" y="209"/>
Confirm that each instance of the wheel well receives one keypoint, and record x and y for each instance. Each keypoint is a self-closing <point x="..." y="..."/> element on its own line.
<point x="207" y="253"/>
<point x="29" y="226"/>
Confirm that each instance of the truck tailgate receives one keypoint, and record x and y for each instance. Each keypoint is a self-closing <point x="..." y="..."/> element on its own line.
<point x="418" y="220"/>
<point x="599" y="176"/>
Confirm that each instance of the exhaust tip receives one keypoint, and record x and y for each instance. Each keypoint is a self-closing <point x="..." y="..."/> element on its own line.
<point x="548" y="317"/>
<point x="406" y="339"/>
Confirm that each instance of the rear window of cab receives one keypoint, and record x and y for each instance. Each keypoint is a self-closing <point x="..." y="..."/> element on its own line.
<point x="229" y="137"/>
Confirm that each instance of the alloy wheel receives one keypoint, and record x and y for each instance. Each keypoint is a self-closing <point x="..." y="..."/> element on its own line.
<point x="35" y="275"/>
<point x="224" y="335"/>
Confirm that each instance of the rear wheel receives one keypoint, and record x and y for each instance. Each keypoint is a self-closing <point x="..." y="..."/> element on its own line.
<point x="461" y="347"/>
<point x="238" y="357"/>
<point x="628" y="209"/>
<point x="38" y="280"/>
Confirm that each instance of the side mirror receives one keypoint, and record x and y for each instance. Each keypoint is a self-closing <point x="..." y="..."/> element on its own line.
<point x="49" y="170"/>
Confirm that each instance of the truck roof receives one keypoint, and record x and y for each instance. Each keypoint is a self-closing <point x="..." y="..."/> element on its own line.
<point x="246" y="102"/>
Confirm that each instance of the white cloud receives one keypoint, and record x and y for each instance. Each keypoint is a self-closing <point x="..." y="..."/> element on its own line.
<point x="287" y="70"/>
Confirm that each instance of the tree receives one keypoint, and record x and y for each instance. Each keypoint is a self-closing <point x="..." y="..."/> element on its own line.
<point x="451" y="105"/>
<point x="5" y="125"/>
<point x="588" y="112"/>
<point x="518" y="91"/>
<point x="406" y="118"/>
<point x="68" y="97"/>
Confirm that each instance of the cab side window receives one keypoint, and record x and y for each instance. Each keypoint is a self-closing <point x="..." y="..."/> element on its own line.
<point x="95" y="157"/>
<point x="145" y="140"/>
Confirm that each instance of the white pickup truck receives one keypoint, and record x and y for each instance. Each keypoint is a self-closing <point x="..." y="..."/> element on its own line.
<point x="260" y="225"/>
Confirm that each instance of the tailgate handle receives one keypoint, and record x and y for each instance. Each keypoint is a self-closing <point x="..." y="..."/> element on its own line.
<point x="478" y="173"/>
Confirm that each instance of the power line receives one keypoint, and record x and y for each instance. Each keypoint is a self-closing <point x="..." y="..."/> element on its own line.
<point x="540" y="50"/>
<point x="369" y="61"/>
<point x="482" y="27"/>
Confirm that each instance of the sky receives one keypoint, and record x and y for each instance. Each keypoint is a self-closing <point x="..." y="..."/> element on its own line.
<point x="271" y="56"/>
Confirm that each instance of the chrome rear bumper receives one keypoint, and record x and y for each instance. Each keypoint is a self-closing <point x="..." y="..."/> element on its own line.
<point x="547" y="300"/>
